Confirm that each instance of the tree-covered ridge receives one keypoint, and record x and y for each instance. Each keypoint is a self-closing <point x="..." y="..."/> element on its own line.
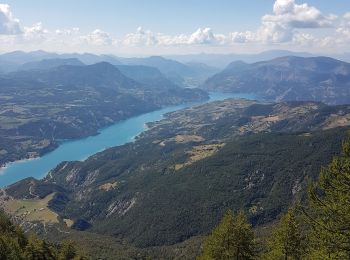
<point x="177" y="179"/>
<point x="15" y="245"/>
<point x="316" y="229"/>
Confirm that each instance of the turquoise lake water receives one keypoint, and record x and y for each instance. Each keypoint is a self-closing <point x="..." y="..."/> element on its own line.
<point x="117" y="134"/>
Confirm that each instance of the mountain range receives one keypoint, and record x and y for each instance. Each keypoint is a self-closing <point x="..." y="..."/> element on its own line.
<point x="181" y="74"/>
<point x="287" y="78"/>
<point x="41" y="107"/>
<point x="160" y="195"/>
<point x="223" y="60"/>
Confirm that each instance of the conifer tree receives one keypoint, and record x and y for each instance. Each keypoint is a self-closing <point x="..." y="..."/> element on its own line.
<point x="14" y="245"/>
<point x="9" y="248"/>
<point x="287" y="240"/>
<point x="38" y="249"/>
<point x="68" y="251"/>
<point x="11" y="239"/>
<point x="329" y="209"/>
<point x="233" y="238"/>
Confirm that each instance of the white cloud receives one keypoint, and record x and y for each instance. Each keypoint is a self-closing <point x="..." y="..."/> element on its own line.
<point x="282" y="26"/>
<point x="304" y="39"/>
<point x="148" y="38"/>
<point x="289" y="24"/>
<point x="242" y="37"/>
<point x="347" y="16"/>
<point x="342" y="36"/>
<point x="287" y="17"/>
<point x="289" y="13"/>
<point x="140" y="38"/>
<point x="8" y="23"/>
<point x="35" y="33"/>
<point x="67" y="32"/>
<point x="205" y="36"/>
<point x="346" y="20"/>
<point x="286" y="24"/>
<point x="98" y="37"/>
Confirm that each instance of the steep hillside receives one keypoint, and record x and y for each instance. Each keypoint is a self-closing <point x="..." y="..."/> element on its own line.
<point x="288" y="78"/>
<point x="149" y="76"/>
<point x="41" y="107"/>
<point x="178" y="178"/>
<point x="192" y="74"/>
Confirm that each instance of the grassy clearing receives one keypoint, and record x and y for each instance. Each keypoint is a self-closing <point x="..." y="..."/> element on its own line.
<point x="32" y="209"/>
<point x="188" y="138"/>
<point x="182" y="139"/>
<point x="200" y="152"/>
<point x="108" y="186"/>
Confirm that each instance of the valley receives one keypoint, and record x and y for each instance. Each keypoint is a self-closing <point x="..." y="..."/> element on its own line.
<point x="130" y="158"/>
<point x="203" y="159"/>
<point x="42" y="108"/>
<point x="117" y="134"/>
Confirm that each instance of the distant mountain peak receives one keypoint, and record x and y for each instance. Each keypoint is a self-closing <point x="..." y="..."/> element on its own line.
<point x="237" y="63"/>
<point x="47" y="64"/>
<point x="288" y="78"/>
<point x="103" y="64"/>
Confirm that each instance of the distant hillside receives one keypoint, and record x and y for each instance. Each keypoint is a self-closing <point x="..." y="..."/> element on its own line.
<point x="19" y="58"/>
<point x="41" y="107"/>
<point x="101" y="74"/>
<point x="223" y="60"/>
<point x="179" y="73"/>
<point x="185" y="75"/>
<point x="47" y="64"/>
<point x="166" y="66"/>
<point x="288" y="78"/>
<point x="149" y="76"/>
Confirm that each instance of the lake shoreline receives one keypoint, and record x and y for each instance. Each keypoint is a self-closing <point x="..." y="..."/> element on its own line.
<point x="24" y="160"/>
<point x="117" y="134"/>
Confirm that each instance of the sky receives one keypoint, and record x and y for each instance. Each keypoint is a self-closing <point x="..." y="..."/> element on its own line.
<point x="152" y="27"/>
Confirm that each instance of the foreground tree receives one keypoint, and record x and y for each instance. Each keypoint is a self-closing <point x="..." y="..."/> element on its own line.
<point x="38" y="249"/>
<point x="68" y="251"/>
<point x="328" y="212"/>
<point x="287" y="240"/>
<point x="14" y="245"/>
<point x="233" y="238"/>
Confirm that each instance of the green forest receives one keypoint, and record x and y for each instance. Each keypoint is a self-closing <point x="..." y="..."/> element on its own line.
<point x="15" y="245"/>
<point x="314" y="228"/>
<point x="318" y="229"/>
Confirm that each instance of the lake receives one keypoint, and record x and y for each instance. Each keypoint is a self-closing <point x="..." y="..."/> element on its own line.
<point x="117" y="134"/>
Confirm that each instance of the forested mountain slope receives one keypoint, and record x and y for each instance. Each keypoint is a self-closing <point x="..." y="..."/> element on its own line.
<point x="41" y="107"/>
<point x="179" y="177"/>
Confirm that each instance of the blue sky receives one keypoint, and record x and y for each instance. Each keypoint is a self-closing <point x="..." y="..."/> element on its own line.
<point x="123" y="16"/>
<point x="175" y="16"/>
<point x="234" y="25"/>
